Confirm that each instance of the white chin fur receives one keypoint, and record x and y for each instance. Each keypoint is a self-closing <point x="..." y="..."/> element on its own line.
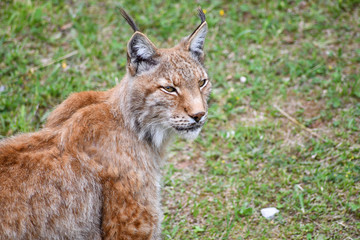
<point x="189" y="135"/>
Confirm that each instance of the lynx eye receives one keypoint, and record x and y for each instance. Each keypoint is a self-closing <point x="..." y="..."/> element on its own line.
<point x="202" y="82"/>
<point x="169" y="89"/>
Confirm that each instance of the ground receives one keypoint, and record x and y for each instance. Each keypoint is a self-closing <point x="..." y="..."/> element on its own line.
<point x="269" y="62"/>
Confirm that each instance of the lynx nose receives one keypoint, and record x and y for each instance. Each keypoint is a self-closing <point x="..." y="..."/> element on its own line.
<point x="197" y="116"/>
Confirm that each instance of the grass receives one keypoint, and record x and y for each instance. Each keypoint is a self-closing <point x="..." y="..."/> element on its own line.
<point x="303" y="56"/>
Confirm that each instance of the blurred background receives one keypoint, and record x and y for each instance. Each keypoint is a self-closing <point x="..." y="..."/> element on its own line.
<point x="284" y="117"/>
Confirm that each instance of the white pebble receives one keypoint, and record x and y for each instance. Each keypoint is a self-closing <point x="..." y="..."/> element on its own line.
<point x="269" y="213"/>
<point x="243" y="79"/>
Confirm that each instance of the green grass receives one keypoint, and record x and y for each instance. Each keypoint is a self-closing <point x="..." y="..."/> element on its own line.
<point x="302" y="56"/>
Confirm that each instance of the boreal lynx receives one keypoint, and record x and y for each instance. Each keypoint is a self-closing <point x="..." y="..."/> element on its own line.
<point x="93" y="171"/>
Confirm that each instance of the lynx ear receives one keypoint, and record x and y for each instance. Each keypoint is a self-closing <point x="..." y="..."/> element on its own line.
<point x="141" y="54"/>
<point x="195" y="42"/>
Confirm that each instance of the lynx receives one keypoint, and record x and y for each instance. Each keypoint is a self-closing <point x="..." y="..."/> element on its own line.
<point x="93" y="171"/>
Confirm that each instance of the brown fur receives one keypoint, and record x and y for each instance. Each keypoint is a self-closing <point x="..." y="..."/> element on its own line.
<point x="93" y="171"/>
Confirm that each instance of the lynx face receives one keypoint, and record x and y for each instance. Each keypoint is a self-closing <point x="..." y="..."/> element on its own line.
<point x="169" y="88"/>
<point x="173" y="98"/>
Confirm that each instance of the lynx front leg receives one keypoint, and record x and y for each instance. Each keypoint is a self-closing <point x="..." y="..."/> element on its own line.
<point x="125" y="217"/>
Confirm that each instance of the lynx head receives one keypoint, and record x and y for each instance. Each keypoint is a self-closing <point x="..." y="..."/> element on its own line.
<point x="167" y="88"/>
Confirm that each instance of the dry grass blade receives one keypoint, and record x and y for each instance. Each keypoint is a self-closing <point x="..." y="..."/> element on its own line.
<point x="293" y="120"/>
<point x="33" y="69"/>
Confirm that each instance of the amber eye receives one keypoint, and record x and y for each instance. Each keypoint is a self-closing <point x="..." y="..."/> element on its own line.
<point x="169" y="89"/>
<point x="202" y="82"/>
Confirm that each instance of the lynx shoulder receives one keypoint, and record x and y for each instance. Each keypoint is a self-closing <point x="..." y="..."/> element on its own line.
<point x="93" y="171"/>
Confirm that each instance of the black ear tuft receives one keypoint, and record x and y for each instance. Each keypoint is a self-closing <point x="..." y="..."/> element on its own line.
<point x="129" y="20"/>
<point x="201" y="14"/>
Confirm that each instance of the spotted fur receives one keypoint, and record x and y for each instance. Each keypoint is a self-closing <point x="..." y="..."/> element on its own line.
<point x="93" y="171"/>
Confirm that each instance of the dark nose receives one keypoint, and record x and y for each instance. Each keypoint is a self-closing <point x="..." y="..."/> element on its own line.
<point x="197" y="116"/>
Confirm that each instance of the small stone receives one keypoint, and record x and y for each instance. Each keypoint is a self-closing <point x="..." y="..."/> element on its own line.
<point x="269" y="213"/>
<point x="286" y="79"/>
<point x="66" y="26"/>
<point x="288" y="40"/>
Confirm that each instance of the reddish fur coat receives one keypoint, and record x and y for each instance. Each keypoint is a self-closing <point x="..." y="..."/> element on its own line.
<point x="93" y="171"/>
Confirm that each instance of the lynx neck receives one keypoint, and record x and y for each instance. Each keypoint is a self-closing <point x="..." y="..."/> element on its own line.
<point x="130" y="105"/>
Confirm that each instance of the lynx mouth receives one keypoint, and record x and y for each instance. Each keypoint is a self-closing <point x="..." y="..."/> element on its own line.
<point x="187" y="129"/>
<point x="188" y="132"/>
